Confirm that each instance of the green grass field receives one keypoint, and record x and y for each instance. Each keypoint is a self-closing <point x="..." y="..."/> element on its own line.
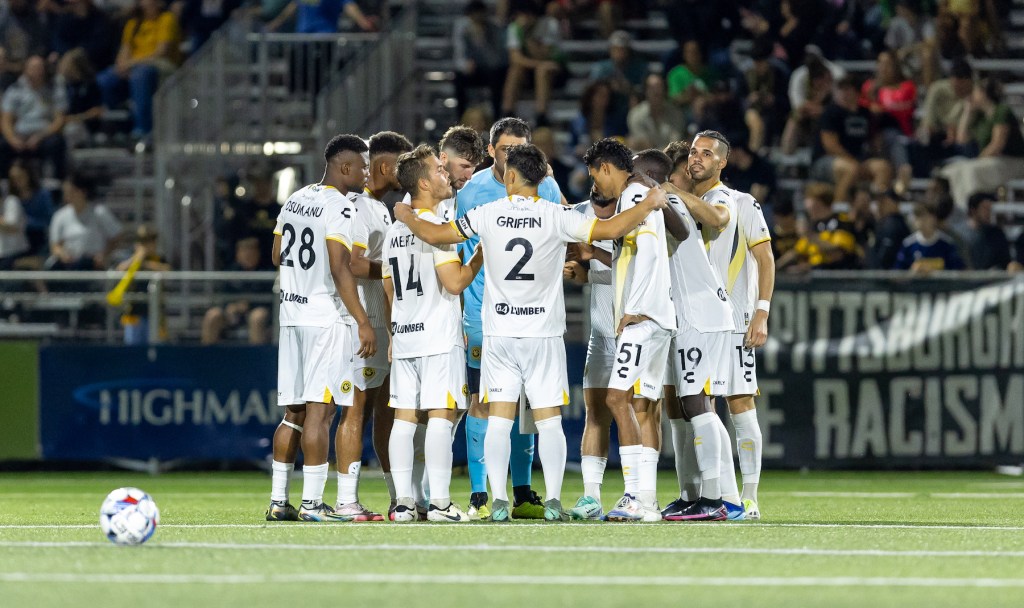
<point x="827" y="539"/>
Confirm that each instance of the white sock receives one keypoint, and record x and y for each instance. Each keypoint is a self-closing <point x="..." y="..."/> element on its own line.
<point x="419" y="493"/>
<point x="551" y="449"/>
<point x="497" y="452"/>
<point x="648" y="477"/>
<point x="727" y="470"/>
<point x="687" y="472"/>
<point x="437" y="446"/>
<point x="280" y="478"/>
<point x="748" y="448"/>
<point x="593" y="475"/>
<point x="629" y="455"/>
<point x="348" y="484"/>
<point x="390" y="483"/>
<point x="314" y="478"/>
<point x="707" y="443"/>
<point x="401" y="454"/>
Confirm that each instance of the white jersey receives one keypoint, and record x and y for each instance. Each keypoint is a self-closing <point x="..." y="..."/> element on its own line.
<point x="602" y="295"/>
<point x="640" y="266"/>
<point x="697" y="291"/>
<point x="311" y="217"/>
<point x="524" y="243"/>
<point x="729" y="249"/>
<point x="369" y="225"/>
<point x="425" y="318"/>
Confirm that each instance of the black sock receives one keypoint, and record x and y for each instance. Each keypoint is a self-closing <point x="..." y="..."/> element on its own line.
<point x="522" y="494"/>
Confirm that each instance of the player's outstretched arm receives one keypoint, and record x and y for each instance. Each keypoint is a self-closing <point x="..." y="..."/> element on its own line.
<point x="716" y="216"/>
<point x="620" y="224"/>
<point x="454" y="276"/>
<point x="345" y="283"/>
<point x="757" y="332"/>
<point x="428" y="232"/>
<point x="363" y="267"/>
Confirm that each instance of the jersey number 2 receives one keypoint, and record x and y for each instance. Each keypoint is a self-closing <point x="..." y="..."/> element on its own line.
<point x="515" y="274"/>
<point x="307" y="257"/>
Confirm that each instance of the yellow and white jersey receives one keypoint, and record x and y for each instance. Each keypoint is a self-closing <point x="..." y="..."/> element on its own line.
<point x="425" y="318"/>
<point x="369" y="225"/>
<point x="640" y="273"/>
<point x="752" y="230"/>
<point x="697" y="291"/>
<point x="524" y="242"/>
<point x="311" y="217"/>
<point x="602" y="294"/>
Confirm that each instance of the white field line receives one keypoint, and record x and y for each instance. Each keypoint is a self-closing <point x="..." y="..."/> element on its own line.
<point x="824" y="494"/>
<point x="486" y="526"/>
<point x="981" y="495"/>
<point x="531" y="548"/>
<point x="469" y="579"/>
<point x="845" y="494"/>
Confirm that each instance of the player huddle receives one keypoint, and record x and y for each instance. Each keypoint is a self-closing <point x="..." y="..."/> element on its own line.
<point x="681" y="273"/>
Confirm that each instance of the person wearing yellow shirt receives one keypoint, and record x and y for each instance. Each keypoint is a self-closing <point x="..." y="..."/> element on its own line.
<point x="150" y="48"/>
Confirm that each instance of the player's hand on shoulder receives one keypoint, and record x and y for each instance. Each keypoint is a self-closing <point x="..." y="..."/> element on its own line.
<point x="403" y="213"/>
<point x="656" y="198"/>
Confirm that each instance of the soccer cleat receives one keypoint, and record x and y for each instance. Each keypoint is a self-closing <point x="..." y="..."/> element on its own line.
<point x="705" y="509"/>
<point x="500" y="511"/>
<point x="478" y="506"/>
<point x="553" y="511"/>
<point x="627" y="509"/>
<point x="652" y="512"/>
<point x="355" y="511"/>
<point x="319" y="512"/>
<point x="404" y="511"/>
<point x="391" y="509"/>
<point x="675" y="509"/>
<point x="587" y="507"/>
<point x="282" y="510"/>
<point x="531" y="508"/>
<point x="751" y="510"/>
<point x="733" y="512"/>
<point x="450" y="514"/>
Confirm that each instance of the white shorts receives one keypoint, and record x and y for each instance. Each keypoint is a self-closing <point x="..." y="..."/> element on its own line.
<point x="431" y="382"/>
<point x="700" y="362"/>
<point x="641" y="357"/>
<point x="370" y="373"/>
<point x="600" y="360"/>
<point x="313" y="365"/>
<point x="538" y="364"/>
<point x="742" y="367"/>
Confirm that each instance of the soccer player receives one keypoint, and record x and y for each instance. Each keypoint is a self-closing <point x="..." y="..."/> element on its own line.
<point x="423" y="284"/>
<point x="369" y="223"/>
<point x="319" y="301"/>
<point x="485" y="186"/>
<point x="740" y="250"/>
<point x="644" y="320"/>
<point x="524" y="239"/>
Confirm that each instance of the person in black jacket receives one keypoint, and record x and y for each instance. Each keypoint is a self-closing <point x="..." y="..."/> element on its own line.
<point x="890" y="231"/>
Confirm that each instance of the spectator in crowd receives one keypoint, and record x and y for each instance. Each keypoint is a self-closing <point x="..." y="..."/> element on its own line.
<point x="928" y="249"/>
<point x="534" y="47"/>
<point x="655" y="122"/>
<point x="890" y="232"/>
<point x="479" y="60"/>
<point x="987" y="245"/>
<point x="136" y="315"/>
<point x="943" y="105"/>
<point x="561" y="168"/>
<point x="33" y="118"/>
<point x="240" y="312"/>
<point x="82" y="234"/>
<point x="595" y="120"/>
<point x="85" y="102"/>
<point x="149" y="49"/>
<point x="82" y="25"/>
<point x="911" y="35"/>
<point x="255" y="215"/>
<point x="989" y="123"/>
<point x="13" y="239"/>
<point x="479" y="119"/>
<point x="749" y="172"/>
<point x="892" y="98"/>
<point x="1017" y="265"/>
<point x="800" y="20"/>
<point x="22" y="35"/>
<point x="37" y="205"/>
<point x="714" y="25"/>
<point x="829" y="242"/>
<point x="766" y="99"/>
<point x="847" y="28"/>
<point x="810" y="92"/>
<point x="321" y="16"/>
<point x="722" y="110"/>
<point x="844" y="149"/>
<point x="784" y="230"/>
<point x="623" y="71"/>
<point x="691" y="80"/>
<point x="862" y="219"/>
<point x="201" y="18"/>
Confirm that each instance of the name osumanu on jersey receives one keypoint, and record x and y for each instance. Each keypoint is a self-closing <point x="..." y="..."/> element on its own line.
<point x="304" y="211"/>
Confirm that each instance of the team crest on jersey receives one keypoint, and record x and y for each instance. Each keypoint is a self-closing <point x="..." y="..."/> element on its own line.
<point x="369" y="372"/>
<point x="721" y="294"/>
<point x="346" y="387"/>
<point x="475" y="352"/>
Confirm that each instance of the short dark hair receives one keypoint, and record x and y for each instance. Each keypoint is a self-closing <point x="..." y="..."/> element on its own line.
<point x="783" y="207"/>
<point x="344" y="143"/>
<point x="654" y="163"/>
<point x="820" y="191"/>
<point x="529" y="162"/>
<point x="389" y="142"/>
<point x="464" y="142"/>
<point x="848" y="82"/>
<point x="961" y="68"/>
<point x="678" y="151"/>
<point x="84" y="182"/>
<point x="412" y="167"/>
<point x="717" y="136"/>
<point x="977" y="199"/>
<point x="516" y="127"/>
<point x="609" y="150"/>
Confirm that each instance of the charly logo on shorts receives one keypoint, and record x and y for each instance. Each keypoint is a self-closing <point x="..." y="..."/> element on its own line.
<point x="465" y="390"/>
<point x="369" y="372"/>
<point x="721" y="294"/>
<point x="502" y="308"/>
<point x="475" y="352"/>
<point x="346" y="387"/>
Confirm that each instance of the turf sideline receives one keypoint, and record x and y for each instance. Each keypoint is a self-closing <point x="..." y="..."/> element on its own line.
<point x="517" y="524"/>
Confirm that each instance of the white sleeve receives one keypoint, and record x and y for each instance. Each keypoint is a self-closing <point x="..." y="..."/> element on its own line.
<point x="109" y="224"/>
<point x="470" y="223"/>
<point x="573" y="227"/>
<point x="754" y="226"/>
<point x="601" y="276"/>
<point x="339" y="222"/>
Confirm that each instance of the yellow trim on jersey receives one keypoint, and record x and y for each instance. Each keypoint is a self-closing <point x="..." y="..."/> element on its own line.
<point x="447" y="262"/>
<point x="278" y="233"/>
<point x="636" y="387"/>
<point x="363" y="245"/>
<point x="487" y="397"/>
<point x="342" y="241"/>
<point x="756" y="243"/>
<point x="327" y="395"/>
<point x="707" y="387"/>
<point x="451" y="402"/>
<point x="626" y="253"/>
<point x="457" y="231"/>
<point x="385" y="274"/>
<point x="590" y="233"/>
<point x="651" y="232"/>
<point x="736" y="263"/>
<point x="565" y="398"/>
